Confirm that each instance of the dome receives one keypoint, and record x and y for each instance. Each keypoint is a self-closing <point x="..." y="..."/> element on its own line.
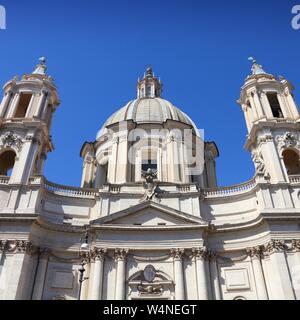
<point x="148" y="110"/>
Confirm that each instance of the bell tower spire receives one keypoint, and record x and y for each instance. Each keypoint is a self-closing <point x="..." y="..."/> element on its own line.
<point x="26" y="114"/>
<point x="149" y="86"/>
<point x="272" y="120"/>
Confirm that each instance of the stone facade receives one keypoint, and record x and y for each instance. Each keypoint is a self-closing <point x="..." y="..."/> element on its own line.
<point x="156" y="227"/>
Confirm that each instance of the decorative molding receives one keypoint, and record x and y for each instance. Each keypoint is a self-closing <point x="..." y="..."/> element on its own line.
<point x="265" y="139"/>
<point x="158" y="258"/>
<point x="232" y="259"/>
<point x="12" y="140"/>
<point x="150" y="289"/>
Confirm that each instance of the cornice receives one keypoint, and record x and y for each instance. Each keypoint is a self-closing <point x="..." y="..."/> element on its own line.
<point x="124" y="227"/>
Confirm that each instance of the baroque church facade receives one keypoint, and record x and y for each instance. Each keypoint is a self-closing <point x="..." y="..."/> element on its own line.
<point x="149" y="221"/>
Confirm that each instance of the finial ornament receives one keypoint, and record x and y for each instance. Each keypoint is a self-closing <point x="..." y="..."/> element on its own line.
<point x="41" y="67"/>
<point x="149" y="72"/>
<point x="252" y="59"/>
<point x="256" y="68"/>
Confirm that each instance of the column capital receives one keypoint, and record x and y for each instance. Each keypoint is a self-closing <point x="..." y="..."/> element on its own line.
<point x="212" y="255"/>
<point x="274" y="246"/>
<point x="199" y="253"/>
<point x="296" y="245"/>
<point x="120" y="254"/>
<point x="44" y="252"/>
<point x="2" y="245"/>
<point x="177" y="253"/>
<point x="254" y="252"/>
<point x="20" y="246"/>
<point x="98" y="253"/>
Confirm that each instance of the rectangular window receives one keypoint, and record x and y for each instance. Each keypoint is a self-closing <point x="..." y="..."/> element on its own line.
<point x="149" y="159"/>
<point x="23" y="105"/>
<point x="275" y="105"/>
<point x="149" y="164"/>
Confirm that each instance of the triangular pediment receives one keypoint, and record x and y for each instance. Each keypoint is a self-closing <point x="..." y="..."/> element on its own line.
<point x="149" y="214"/>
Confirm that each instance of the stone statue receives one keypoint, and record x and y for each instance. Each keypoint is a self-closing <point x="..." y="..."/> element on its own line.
<point x="150" y="183"/>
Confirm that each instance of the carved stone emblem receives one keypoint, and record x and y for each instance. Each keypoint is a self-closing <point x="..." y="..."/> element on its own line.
<point x="12" y="140"/>
<point x="150" y="289"/>
<point x="149" y="273"/>
<point x="287" y="140"/>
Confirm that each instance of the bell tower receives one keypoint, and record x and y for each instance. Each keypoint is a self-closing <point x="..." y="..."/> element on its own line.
<point x="273" y="124"/>
<point x="26" y="113"/>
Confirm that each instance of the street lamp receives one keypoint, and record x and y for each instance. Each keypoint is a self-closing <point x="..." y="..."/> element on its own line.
<point x="84" y="249"/>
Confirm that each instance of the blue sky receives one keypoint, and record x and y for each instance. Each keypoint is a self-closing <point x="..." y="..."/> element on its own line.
<point x="97" y="49"/>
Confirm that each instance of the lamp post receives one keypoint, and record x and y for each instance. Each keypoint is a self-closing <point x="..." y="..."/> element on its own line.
<point x="84" y="250"/>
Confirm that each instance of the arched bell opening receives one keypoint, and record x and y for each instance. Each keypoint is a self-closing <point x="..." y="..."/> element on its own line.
<point x="7" y="162"/>
<point x="291" y="161"/>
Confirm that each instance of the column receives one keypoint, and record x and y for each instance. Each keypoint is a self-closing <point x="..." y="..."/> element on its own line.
<point x="14" y="106"/>
<point x="292" y="105"/>
<point x="120" y="259"/>
<point x="215" y="276"/>
<point x="122" y="159"/>
<point x="266" y="103"/>
<point x="293" y="258"/>
<point x="26" y="160"/>
<point x="19" y="282"/>
<point x="29" y="109"/>
<point x="41" y="274"/>
<point x="199" y="255"/>
<point x="253" y="108"/>
<point x="280" y="275"/>
<point x="247" y="116"/>
<point x="2" y="272"/>
<point x="285" y="110"/>
<point x="85" y="284"/>
<point x="258" y="105"/>
<point x="5" y="103"/>
<point x="271" y="158"/>
<point x="112" y="163"/>
<point x="41" y="110"/>
<point x="98" y="255"/>
<point x="90" y="280"/>
<point x="255" y="255"/>
<point x="177" y="255"/>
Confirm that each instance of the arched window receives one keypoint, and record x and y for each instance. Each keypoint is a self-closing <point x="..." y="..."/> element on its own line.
<point x="291" y="161"/>
<point x="7" y="162"/>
